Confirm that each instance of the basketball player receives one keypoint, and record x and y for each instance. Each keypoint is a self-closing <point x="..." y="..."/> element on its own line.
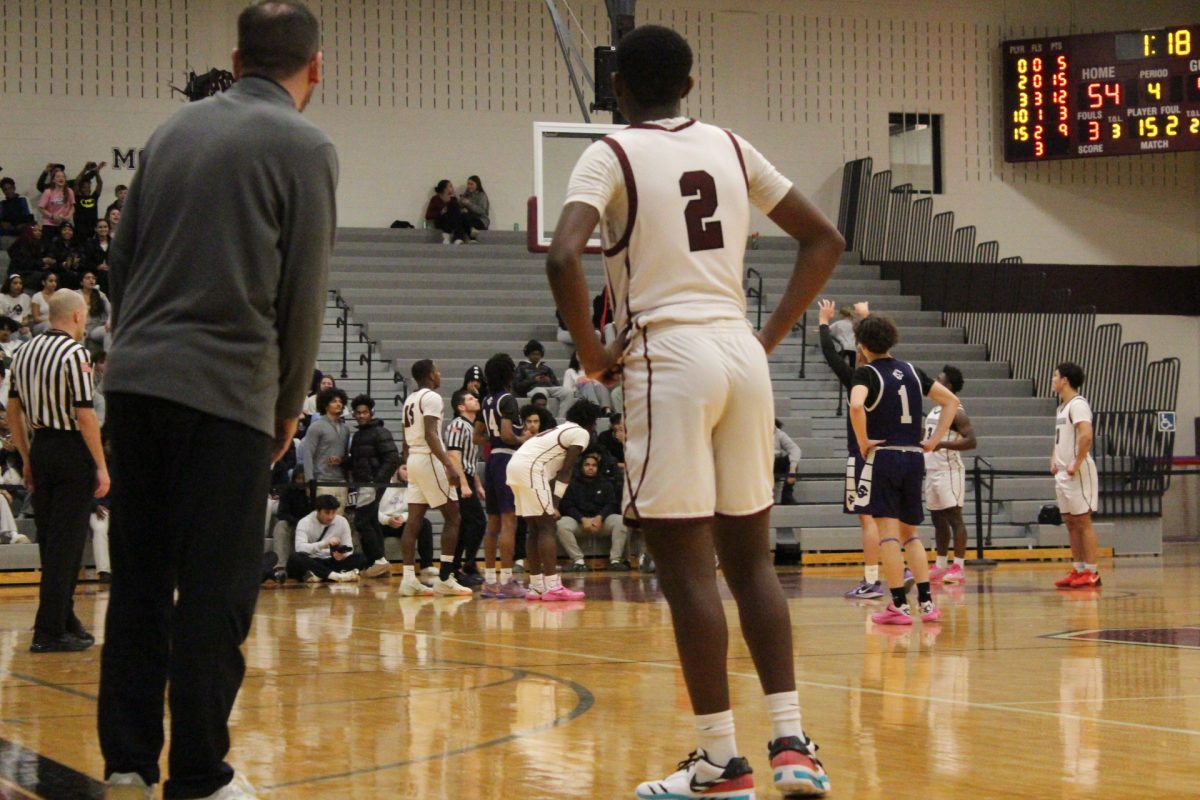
<point x="434" y="480"/>
<point x="672" y="197"/>
<point x="1076" y="483"/>
<point x="500" y="421"/>
<point x="549" y="453"/>
<point x="946" y="482"/>
<point x="883" y="398"/>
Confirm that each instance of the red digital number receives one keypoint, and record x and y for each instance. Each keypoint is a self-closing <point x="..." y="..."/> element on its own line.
<point x="1063" y="130"/>
<point x="1039" y="149"/>
<point x="1038" y="133"/>
<point x="1060" y="97"/>
<point x="1038" y="99"/>
<point x="1113" y="90"/>
<point x="1062" y="63"/>
<point x="1037" y="65"/>
<point x="1041" y="115"/>
<point x="1095" y="95"/>
<point x="1063" y="113"/>
<point x="1093" y="131"/>
<point x="1038" y="80"/>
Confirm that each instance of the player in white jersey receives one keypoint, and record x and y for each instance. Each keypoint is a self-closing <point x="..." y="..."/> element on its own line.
<point x="549" y="456"/>
<point x="672" y="197"/>
<point x="434" y="481"/>
<point x="946" y="483"/>
<point x="1076" y="482"/>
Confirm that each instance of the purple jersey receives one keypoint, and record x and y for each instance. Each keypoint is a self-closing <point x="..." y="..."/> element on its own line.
<point x="495" y="408"/>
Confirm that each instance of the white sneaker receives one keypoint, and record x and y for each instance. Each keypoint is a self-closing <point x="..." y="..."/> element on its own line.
<point x="411" y="587"/>
<point x="450" y="588"/>
<point x="380" y="569"/>
<point x="445" y="238"/>
<point x="700" y="778"/>
<point x="311" y="578"/>
<point x="237" y="789"/>
<point x="349" y="576"/>
<point x="127" y="786"/>
<point x="429" y="571"/>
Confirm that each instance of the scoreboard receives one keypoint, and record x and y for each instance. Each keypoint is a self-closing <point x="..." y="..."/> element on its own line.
<point x="1104" y="94"/>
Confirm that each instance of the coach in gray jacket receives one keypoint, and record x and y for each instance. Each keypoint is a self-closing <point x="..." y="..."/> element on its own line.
<point x="218" y="278"/>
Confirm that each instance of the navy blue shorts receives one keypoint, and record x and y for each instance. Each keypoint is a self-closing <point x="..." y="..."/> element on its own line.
<point x="495" y="483"/>
<point x="891" y="486"/>
<point x="854" y="465"/>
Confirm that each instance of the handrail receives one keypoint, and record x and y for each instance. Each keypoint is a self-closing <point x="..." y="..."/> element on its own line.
<point x="803" y="344"/>
<point x="757" y="293"/>
<point x="977" y="477"/>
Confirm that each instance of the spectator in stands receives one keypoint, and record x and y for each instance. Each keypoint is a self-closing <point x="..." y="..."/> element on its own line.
<point x="475" y="202"/>
<point x="119" y="202"/>
<point x="325" y="446"/>
<point x="447" y="214"/>
<point x="57" y="204"/>
<point x="28" y="254"/>
<point x="87" y="199"/>
<point x="582" y="387"/>
<point x="14" y="209"/>
<point x="473" y="381"/>
<point x="787" y="457"/>
<point x="39" y="305"/>
<point x="8" y="346"/>
<point x="99" y="365"/>
<point x="393" y="513"/>
<point x="11" y="465"/>
<point x="8" y="523"/>
<point x="537" y="416"/>
<point x="97" y="330"/>
<point x="612" y="441"/>
<point x="534" y="377"/>
<point x="66" y="256"/>
<point x="98" y="522"/>
<point x="374" y="458"/>
<point x="94" y="254"/>
<point x="114" y="219"/>
<point x="324" y="550"/>
<point x="591" y="505"/>
<point x="294" y="505"/>
<point x="310" y="403"/>
<point x="43" y="181"/>
<point x="14" y="303"/>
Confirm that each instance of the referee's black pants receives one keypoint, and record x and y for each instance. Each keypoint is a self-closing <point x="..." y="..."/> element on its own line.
<point x="64" y="480"/>
<point x="188" y="514"/>
<point x="470" y="532"/>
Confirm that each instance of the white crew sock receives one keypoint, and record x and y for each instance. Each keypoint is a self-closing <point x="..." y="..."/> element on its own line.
<point x="505" y="575"/>
<point x="960" y="562"/>
<point x="715" y="735"/>
<point x="1079" y="566"/>
<point x="1092" y="568"/>
<point x="382" y="562"/>
<point x="538" y="583"/>
<point x="410" y="572"/>
<point x="784" y="709"/>
<point x="553" y="582"/>
<point x="871" y="574"/>
<point x="941" y="562"/>
<point x="489" y="575"/>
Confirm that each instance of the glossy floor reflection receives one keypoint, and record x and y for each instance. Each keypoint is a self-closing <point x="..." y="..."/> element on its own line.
<point x="353" y="692"/>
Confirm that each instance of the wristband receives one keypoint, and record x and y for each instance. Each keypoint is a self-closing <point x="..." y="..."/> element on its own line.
<point x="560" y="489"/>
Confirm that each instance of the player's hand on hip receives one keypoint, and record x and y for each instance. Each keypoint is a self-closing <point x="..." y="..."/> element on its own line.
<point x="929" y="445"/>
<point x="102" y="482"/>
<point x="870" y="444"/>
<point x="1053" y="467"/>
<point x="1072" y="469"/>
<point x="825" y="310"/>
<point x="606" y="365"/>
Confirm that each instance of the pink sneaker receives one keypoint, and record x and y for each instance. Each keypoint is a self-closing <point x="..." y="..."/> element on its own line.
<point x="936" y="573"/>
<point x="955" y="574"/>
<point x="929" y="612"/>
<point x="560" y="594"/>
<point x="892" y="616"/>
<point x="512" y="589"/>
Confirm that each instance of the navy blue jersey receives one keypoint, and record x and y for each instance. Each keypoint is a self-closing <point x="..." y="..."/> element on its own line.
<point x="894" y="392"/>
<point x="497" y="407"/>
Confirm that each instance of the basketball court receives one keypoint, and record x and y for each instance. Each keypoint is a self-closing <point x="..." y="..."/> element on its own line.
<point x="354" y="692"/>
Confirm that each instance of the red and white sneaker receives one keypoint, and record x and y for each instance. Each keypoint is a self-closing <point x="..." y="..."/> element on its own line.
<point x="560" y="594"/>
<point x="936" y="573"/>
<point x="1086" y="580"/>
<point x="954" y="574"/>
<point x="1065" y="583"/>
<point x="795" y="767"/>
<point x="893" y="616"/>
<point x="697" y="777"/>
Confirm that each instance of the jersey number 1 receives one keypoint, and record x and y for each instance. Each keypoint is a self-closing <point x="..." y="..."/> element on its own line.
<point x="905" y="414"/>
<point x="701" y="235"/>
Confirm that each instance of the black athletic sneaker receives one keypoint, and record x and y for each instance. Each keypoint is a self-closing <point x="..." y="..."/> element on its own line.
<point x="66" y="643"/>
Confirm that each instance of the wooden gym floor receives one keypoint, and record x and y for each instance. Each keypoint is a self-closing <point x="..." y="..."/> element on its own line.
<point x="353" y="692"/>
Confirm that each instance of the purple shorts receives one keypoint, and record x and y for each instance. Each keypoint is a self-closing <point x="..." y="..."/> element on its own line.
<point x="495" y="483"/>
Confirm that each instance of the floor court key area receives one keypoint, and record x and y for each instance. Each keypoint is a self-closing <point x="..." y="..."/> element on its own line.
<point x="353" y="692"/>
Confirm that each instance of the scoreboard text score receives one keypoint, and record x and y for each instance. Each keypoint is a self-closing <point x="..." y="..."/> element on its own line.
<point x="1105" y="94"/>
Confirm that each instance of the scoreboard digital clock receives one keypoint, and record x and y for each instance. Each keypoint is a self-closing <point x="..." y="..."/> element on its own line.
<point x="1104" y="94"/>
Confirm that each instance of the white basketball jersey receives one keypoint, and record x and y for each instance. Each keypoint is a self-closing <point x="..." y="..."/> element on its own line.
<point x="541" y="457"/>
<point x="1074" y="411"/>
<point x="674" y="198"/>
<point x="419" y="405"/>
<point x="941" y="460"/>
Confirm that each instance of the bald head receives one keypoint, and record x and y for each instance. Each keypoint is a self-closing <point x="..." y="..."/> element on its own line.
<point x="63" y="305"/>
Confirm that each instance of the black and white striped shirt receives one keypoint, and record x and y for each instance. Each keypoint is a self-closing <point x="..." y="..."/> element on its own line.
<point x="52" y="376"/>
<point x="460" y="435"/>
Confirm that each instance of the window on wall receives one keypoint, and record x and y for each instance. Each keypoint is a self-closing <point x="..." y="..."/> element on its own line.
<point x="916" y="152"/>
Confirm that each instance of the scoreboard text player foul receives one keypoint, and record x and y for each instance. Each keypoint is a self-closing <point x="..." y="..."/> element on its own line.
<point x="1103" y="94"/>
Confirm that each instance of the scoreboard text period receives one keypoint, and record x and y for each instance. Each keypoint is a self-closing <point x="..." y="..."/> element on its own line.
<point x="1104" y="94"/>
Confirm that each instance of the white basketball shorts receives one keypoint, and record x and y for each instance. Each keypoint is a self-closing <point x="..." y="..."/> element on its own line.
<point x="699" y="422"/>
<point x="944" y="489"/>
<point x="1079" y="493"/>
<point x="427" y="481"/>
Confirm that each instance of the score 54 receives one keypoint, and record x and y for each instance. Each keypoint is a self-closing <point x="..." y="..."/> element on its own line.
<point x="1098" y="94"/>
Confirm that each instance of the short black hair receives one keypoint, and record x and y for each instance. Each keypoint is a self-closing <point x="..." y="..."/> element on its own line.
<point x="546" y="419"/>
<point x="1072" y="372"/>
<point x="325" y="395"/>
<point x="539" y="397"/>
<point x="877" y="333"/>
<point x="120" y="188"/>
<point x="533" y="344"/>
<point x="277" y="38"/>
<point x="615" y="418"/>
<point x="326" y="502"/>
<point x="954" y="376"/>
<point x="441" y="185"/>
<point x="584" y="413"/>
<point x="363" y="400"/>
<point x="7" y="182"/>
<point x="498" y="372"/>
<point x="459" y="397"/>
<point x="422" y="369"/>
<point x="655" y="63"/>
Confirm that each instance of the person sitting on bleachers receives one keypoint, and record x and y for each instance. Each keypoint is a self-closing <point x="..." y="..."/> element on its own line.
<point x="535" y="377"/>
<point x="475" y="202"/>
<point x="97" y="331"/>
<point x="309" y="409"/>
<point x="39" y="305"/>
<point x="446" y="214"/>
<point x="324" y="548"/>
<point x="787" y="457"/>
<point x="584" y="388"/>
<point x="393" y="514"/>
<point x="14" y="209"/>
<point x="592" y="505"/>
<point x="294" y="505"/>
<point x="612" y="441"/>
<point x="14" y="303"/>
<point x="65" y="255"/>
<point x="28" y="255"/>
<point x="94" y="254"/>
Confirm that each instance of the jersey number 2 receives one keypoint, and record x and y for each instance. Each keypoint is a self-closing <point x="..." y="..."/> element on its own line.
<point x="701" y="235"/>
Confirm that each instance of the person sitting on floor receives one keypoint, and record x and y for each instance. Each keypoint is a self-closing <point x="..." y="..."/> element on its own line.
<point x="324" y="549"/>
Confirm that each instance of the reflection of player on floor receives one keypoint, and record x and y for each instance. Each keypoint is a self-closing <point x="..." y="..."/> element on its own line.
<point x="434" y="480"/>
<point x="550" y="453"/>
<point x="673" y="197"/>
<point x="883" y="398"/>
<point x="500" y="421"/>
<point x="1076" y="483"/>
<point x="945" y="483"/>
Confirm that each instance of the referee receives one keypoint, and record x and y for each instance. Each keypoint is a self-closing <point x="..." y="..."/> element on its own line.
<point x="461" y="447"/>
<point x="52" y="386"/>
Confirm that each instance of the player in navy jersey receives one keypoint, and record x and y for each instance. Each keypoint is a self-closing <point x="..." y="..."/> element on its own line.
<point x="885" y="411"/>
<point x="500" y="421"/>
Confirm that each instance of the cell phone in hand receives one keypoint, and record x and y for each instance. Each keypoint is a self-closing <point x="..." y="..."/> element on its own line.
<point x="342" y="548"/>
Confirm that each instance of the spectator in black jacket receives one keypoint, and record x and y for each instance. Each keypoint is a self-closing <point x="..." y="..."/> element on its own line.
<point x="612" y="441"/>
<point x="535" y="377"/>
<point x="14" y="209"/>
<point x="592" y="505"/>
<point x="294" y="505"/>
<point x="374" y="457"/>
